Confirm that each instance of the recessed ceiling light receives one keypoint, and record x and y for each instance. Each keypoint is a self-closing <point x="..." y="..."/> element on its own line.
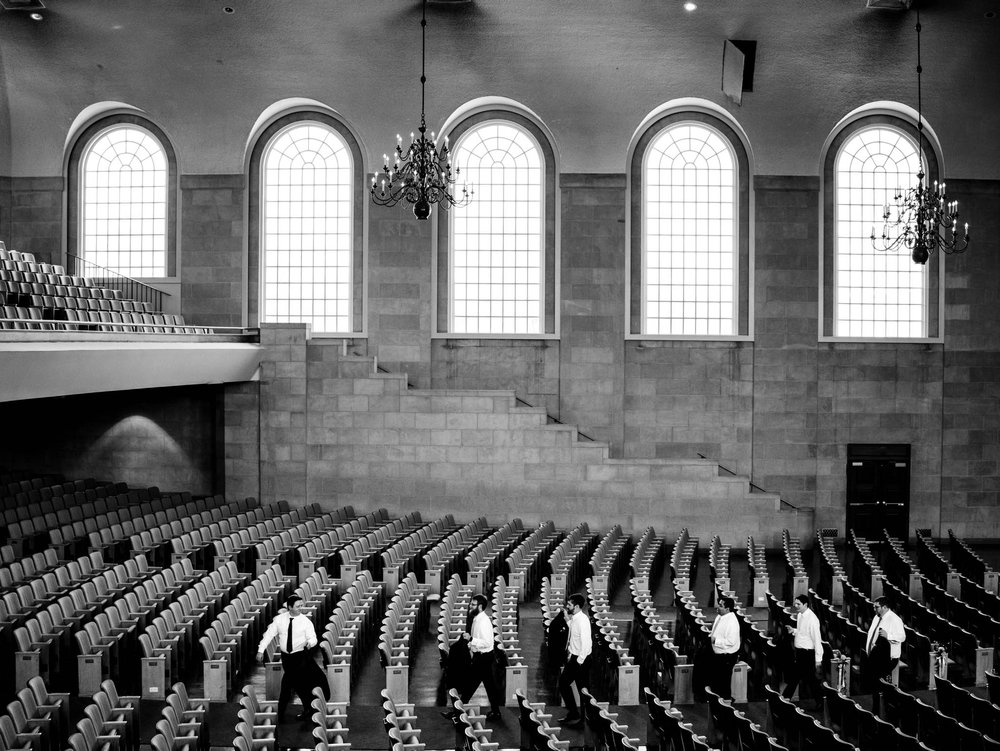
<point x="229" y="9"/>
<point x="690" y="7"/>
<point x="36" y="16"/>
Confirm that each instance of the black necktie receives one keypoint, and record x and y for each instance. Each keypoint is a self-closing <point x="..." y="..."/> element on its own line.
<point x="874" y="635"/>
<point x="288" y="641"/>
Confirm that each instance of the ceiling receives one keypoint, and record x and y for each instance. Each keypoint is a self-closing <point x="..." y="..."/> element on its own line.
<point x="205" y="71"/>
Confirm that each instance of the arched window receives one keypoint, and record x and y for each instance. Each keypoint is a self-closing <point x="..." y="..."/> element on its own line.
<point x="305" y="173"/>
<point x="122" y="179"/>
<point x="870" y="294"/>
<point x="690" y="219"/>
<point x="496" y="263"/>
<point x="876" y="294"/>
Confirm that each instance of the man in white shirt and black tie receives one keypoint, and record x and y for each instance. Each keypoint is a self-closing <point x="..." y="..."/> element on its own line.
<point x="725" y="641"/>
<point x="296" y="638"/>
<point x="808" y="647"/>
<point x="884" y="643"/>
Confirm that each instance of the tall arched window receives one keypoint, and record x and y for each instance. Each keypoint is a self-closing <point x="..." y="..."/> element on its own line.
<point x="870" y="294"/>
<point x="496" y="265"/>
<point x="690" y="229"/>
<point x="877" y="294"/>
<point x="306" y="169"/>
<point x="124" y="175"/>
<point x="497" y="239"/>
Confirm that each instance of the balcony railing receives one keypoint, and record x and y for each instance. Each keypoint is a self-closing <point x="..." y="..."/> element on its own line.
<point x="131" y="289"/>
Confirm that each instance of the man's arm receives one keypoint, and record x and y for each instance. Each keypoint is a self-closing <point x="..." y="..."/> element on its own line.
<point x="311" y="640"/>
<point x="817" y="638"/>
<point x="586" y="642"/>
<point x="269" y="634"/>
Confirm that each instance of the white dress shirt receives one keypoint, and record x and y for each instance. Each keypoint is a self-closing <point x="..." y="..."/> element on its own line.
<point x="579" y="644"/>
<point x="303" y="633"/>
<point x="725" y="634"/>
<point x="894" y="632"/>
<point x="481" y="640"/>
<point x="807" y="634"/>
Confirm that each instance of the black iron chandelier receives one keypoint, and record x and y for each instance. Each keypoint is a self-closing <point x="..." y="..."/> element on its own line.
<point x="922" y="219"/>
<point x="422" y="174"/>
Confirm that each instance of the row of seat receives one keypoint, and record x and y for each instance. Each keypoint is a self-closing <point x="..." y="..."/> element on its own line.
<point x="648" y="558"/>
<point x="453" y="613"/>
<point x="183" y="723"/>
<point x="568" y="563"/>
<point x="610" y="559"/>
<point x="538" y="731"/>
<point x="337" y="544"/>
<point x="43" y="639"/>
<point x="72" y="538"/>
<point x="406" y="554"/>
<point x="915" y="718"/>
<point x="36" y="531"/>
<point x="526" y="562"/>
<point x="612" y="663"/>
<point x="442" y="560"/>
<point x="671" y="730"/>
<point x="241" y="545"/>
<point x="48" y="316"/>
<point x="653" y="646"/>
<point x="37" y="490"/>
<point x="405" y="619"/>
<point x="973" y="592"/>
<point x="607" y="733"/>
<point x="684" y="559"/>
<point x="400" y="723"/>
<point x="967" y="708"/>
<point x="484" y="560"/>
<point x="231" y="639"/>
<point x="168" y="642"/>
<point x="348" y="634"/>
<point x="970" y="563"/>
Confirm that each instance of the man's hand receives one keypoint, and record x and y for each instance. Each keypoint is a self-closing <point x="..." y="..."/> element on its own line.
<point x="260" y="658"/>
<point x="467" y="636"/>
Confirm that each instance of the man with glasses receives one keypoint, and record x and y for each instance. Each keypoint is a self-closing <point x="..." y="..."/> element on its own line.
<point x="884" y="643"/>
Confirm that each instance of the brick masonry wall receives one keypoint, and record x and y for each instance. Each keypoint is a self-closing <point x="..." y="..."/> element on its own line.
<point x="169" y="438"/>
<point x="212" y="249"/>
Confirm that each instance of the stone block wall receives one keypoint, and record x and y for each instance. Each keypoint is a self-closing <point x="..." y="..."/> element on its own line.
<point x="212" y="245"/>
<point x="36" y="217"/>
<point x="370" y="440"/>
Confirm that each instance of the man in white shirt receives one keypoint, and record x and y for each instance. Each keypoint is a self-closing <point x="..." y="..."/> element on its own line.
<point x="884" y="643"/>
<point x="725" y="640"/>
<point x="482" y="646"/>
<point x="579" y="645"/>
<point x="296" y="637"/>
<point x="808" y="648"/>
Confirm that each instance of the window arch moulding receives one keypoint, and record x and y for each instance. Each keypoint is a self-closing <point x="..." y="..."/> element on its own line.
<point x="711" y="270"/>
<point x="867" y="295"/>
<point x="460" y="239"/>
<point x="122" y="193"/>
<point x="311" y="231"/>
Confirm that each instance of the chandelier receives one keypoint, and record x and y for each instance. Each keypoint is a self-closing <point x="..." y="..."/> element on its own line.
<point x="921" y="219"/>
<point x="422" y="174"/>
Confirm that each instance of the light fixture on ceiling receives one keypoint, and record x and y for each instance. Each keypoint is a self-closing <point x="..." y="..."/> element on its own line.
<point x="922" y="219"/>
<point x="422" y="174"/>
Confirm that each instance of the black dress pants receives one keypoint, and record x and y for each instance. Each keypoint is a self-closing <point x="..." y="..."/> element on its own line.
<point x="295" y="676"/>
<point x="483" y="671"/>
<point x="573" y="672"/>
<point x="804" y="672"/>
<point x="720" y="678"/>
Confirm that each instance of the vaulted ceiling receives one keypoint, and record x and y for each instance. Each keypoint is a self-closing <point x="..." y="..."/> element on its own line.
<point x="205" y="70"/>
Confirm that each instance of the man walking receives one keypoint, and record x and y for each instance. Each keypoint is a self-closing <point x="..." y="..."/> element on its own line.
<point x="296" y="637"/>
<point x="482" y="670"/>
<point x="725" y="641"/>
<point x="808" y="649"/>
<point x="578" y="648"/>
<point x="884" y="643"/>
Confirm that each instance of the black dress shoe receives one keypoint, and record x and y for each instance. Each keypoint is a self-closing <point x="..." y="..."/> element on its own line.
<point x="302" y="716"/>
<point x="451" y="714"/>
<point x="570" y="719"/>
<point x="494" y="715"/>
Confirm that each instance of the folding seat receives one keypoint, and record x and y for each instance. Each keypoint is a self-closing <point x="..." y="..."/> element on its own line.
<point x="12" y="320"/>
<point x="103" y="716"/>
<point x="26" y="734"/>
<point x="96" y="740"/>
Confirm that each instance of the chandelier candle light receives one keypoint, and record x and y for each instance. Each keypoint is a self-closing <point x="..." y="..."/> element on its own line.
<point x="421" y="175"/>
<point x="922" y="219"/>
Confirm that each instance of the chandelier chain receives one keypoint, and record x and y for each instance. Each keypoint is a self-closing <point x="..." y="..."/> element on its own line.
<point x="921" y="219"/>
